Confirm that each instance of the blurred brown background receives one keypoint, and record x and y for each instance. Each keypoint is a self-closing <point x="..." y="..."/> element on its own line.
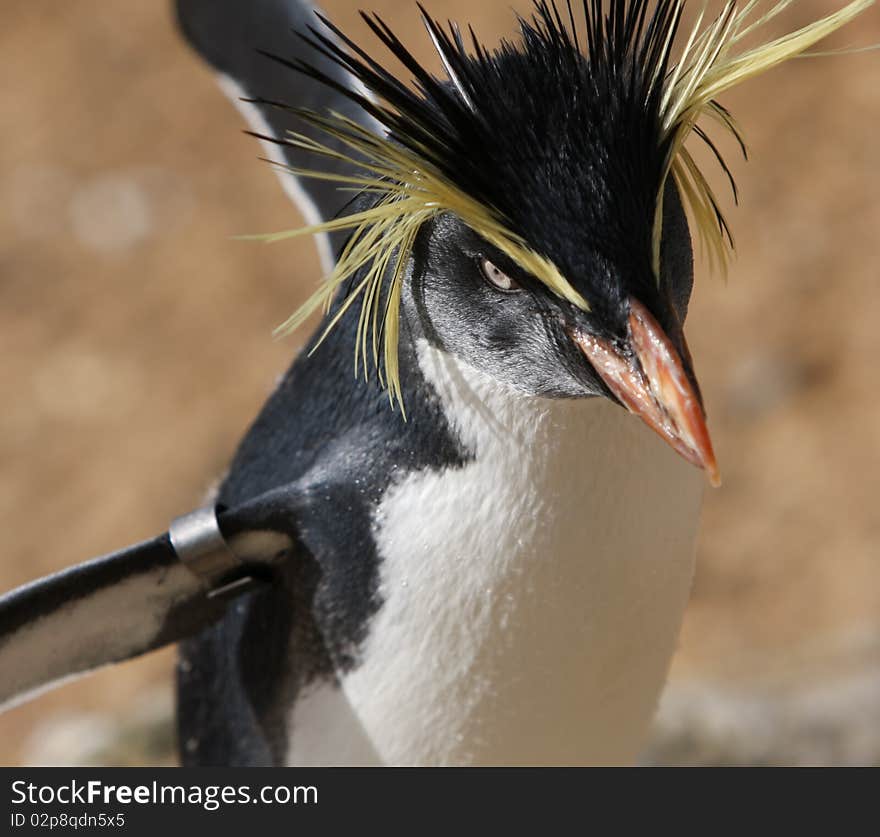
<point x="136" y="348"/>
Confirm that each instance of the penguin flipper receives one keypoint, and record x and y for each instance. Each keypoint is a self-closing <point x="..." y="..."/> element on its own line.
<point x="124" y="604"/>
<point x="103" y="611"/>
<point x="237" y="39"/>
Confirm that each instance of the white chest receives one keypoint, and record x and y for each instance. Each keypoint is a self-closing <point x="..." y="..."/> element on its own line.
<point x="532" y="598"/>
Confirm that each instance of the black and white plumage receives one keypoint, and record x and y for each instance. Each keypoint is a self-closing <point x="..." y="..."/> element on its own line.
<point x="497" y="575"/>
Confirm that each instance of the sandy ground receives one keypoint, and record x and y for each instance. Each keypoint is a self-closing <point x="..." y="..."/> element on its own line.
<point x="135" y="336"/>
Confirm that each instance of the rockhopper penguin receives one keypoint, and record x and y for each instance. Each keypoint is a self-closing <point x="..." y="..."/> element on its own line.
<point x="461" y="530"/>
<point x="497" y="557"/>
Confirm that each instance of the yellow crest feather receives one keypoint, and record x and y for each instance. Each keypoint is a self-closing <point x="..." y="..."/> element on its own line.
<point x="411" y="190"/>
<point x="709" y="65"/>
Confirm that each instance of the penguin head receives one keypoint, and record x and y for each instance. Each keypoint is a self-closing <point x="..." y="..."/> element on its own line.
<point x="468" y="298"/>
<point x="526" y="213"/>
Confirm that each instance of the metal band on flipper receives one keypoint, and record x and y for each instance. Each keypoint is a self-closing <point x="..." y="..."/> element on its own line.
<point x="200" y="545"/>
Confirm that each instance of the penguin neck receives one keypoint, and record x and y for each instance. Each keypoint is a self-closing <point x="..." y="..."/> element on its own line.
<point x="532" y="596"/>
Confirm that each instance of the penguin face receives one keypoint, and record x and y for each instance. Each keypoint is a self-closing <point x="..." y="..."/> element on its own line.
<point x="468" y="298"/>
<point x="471" y="300"/>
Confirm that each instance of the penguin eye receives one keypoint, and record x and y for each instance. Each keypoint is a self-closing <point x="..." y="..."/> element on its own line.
<point x="498" y="279"/>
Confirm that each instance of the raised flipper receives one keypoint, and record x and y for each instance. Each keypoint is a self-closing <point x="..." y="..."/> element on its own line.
<point x="236" y="38"/>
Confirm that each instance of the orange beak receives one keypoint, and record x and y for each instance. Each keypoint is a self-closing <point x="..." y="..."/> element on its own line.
<point x="652" y="384"/>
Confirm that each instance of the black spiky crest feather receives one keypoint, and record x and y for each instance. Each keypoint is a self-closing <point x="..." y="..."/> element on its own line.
<point x="442" y="152"/>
